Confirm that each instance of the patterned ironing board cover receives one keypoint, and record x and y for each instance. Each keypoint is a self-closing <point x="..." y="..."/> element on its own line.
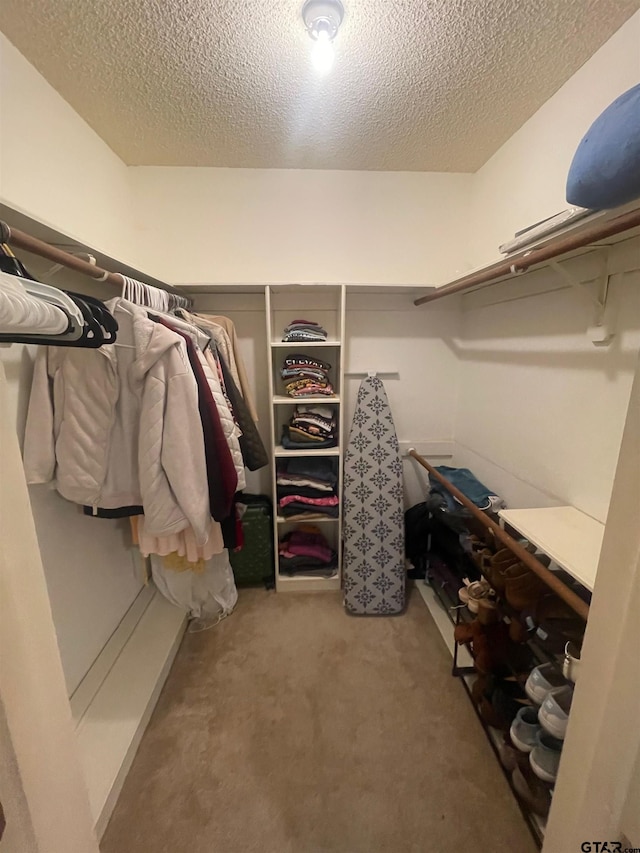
<point x="374" y="566"/>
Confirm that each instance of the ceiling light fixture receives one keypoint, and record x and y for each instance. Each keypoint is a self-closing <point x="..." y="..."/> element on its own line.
<point x="322" y="18"/>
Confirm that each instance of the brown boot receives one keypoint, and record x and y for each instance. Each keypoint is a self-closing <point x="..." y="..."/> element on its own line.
<point x="497" y="565"/>
<point x="487" y="611"/>
<point x="523" y="588"/>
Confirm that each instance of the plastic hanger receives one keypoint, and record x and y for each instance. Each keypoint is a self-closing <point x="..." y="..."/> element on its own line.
<point x="101" y="313"/>
<point x="25" y="314"/>
<point x="80" y="329"/>
<point x="54" y="296"/>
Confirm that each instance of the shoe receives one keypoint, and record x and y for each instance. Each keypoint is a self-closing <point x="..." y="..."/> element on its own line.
<point x="525" y="729"/>
<point x="482" y="687"/>
<point x="463" y="594"/>
<point x="491" y="717"/>
<point x="500" y="702"/>
<point x="503" y="558"/>
<point x="541" y="680"/>
<point x="507" y="700"/>
<point x="487" y="611"/>
<point x="467" y="632"/>
<point x="491" y="648"/>
<point x="523" y="588"/>
<point x="554" y="711"/>
<point x="545" y="757"/>
<point x="495" y="566"/>
<point x="518" y="632"/>
<point x="471" y="593"/>
<point x="531" y="790"/>
<point x="510" y="757"/>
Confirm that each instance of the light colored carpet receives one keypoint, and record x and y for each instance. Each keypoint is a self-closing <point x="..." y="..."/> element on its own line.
<point x="294" y="728"/>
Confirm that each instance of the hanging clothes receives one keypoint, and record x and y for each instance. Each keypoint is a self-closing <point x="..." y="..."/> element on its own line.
<point x="183" y="544"/>
<point x="120" y="426"/>
<point x="235" y="359"/>
<point x="254" y="453"/>
<point x="201" y="342"/>
<point x="221" y="473"/>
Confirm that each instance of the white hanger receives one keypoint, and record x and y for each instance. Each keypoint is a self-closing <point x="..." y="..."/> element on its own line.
<point x="25" y="314"/>
<point x="54" y="297"/>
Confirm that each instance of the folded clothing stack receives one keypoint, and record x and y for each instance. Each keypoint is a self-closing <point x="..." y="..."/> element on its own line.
<point x="305" y="376"/>
<point x="304" y="330"/>
<point x="311" y="427"/>
<point x="307" y="488"/>
<point x="306" y="551"/>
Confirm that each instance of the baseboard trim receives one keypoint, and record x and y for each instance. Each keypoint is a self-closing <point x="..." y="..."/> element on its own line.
<point x="112" y="725"/>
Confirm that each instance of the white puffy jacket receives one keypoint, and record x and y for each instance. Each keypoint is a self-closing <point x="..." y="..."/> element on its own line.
<point x="120" y="426"/>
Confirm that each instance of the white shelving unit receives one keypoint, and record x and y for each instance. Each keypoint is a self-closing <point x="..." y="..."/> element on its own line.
<point x="571" y="538"/>
<point x="325" y="304"/>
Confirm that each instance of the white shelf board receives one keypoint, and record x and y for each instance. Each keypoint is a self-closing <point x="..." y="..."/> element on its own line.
<point x="282" y="520"/>
<point x="282" y="399"/>
<point x="301" y="583"/>
<point x="318" y="451"/>
<point x="304" y="344"/>
<point x="112" y="726"/>
<point x="571" y="538"/>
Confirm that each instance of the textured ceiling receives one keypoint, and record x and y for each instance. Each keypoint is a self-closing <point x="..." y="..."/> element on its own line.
<point x="433" y="85"/>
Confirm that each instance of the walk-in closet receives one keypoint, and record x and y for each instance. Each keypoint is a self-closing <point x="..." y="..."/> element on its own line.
<point x="319" y="426"/>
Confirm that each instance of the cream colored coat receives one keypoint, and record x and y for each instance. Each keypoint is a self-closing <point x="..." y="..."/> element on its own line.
<point x="120" y="426"/>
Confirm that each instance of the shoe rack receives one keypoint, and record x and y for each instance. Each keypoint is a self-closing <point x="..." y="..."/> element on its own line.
<point x="536" y="642"/>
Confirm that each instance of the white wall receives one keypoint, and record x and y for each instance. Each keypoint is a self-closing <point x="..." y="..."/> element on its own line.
<point x="202" y="225"/>
<point x="54" y="167"/>
<point x="525" y="180"/>
<point x="541" y="409"/>
<point x="386" y="333"/>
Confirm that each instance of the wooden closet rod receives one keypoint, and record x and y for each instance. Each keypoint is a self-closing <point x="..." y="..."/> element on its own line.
<point x="21" y="240"/>
<point x="523" y="260"/>
<point x="555" y="584"/>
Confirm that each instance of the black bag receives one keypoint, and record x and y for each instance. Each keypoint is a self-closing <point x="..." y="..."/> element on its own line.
<point x="417" y="527"/>
<point x="254" y="564"/>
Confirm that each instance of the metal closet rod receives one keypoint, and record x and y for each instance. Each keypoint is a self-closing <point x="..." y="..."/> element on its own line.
<point x="21" y="240"/>
<point x="555" y="584"/>
<point x="521" y="262"/>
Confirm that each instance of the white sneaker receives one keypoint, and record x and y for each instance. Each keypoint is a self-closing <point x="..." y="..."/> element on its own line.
<point x="471" y="593"/>
<point x="541" y="680"/>
<point x="545" y="757"/>
<point x="525" y="729"/>
<point x="554" y="711"/>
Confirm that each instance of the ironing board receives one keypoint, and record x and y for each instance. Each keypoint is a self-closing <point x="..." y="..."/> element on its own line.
<point x="374" y="567"/>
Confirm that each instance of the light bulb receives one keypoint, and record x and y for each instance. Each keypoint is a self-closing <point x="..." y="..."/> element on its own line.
<point x="322" y="53"/>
